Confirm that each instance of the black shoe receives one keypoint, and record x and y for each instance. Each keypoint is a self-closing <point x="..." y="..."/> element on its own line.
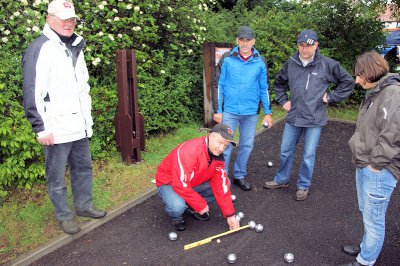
<point x="178" y="224"/>
<point x="353" y="263"/>
<point x="202" y="217"/>
<point x="92" y="213"/>
<point x="69" y="226"/>
<point x="351" y="250"/>
<point x="242" y="183"/>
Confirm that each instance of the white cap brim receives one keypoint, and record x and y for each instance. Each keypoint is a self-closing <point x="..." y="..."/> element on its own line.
<point x="66" y="15"/>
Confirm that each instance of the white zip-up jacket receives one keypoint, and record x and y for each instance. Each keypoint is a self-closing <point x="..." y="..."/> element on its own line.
<point x="55" y="89"/>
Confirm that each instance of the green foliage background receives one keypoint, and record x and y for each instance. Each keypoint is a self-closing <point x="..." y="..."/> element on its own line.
<point x="168" y="37"/>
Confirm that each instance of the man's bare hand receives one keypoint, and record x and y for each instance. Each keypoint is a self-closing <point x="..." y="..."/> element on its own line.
<point x="287" y="106"/>
<point x="206" y="209"/>
<point x="218" y="118"/>
<point x="268" y="118"/>
<point x="325" y="97"/>
<point x="47" y="140"/>
<point x="233" y="222"/>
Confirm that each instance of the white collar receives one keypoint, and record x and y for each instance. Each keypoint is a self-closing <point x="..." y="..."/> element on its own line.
<point x="306" y="62"/>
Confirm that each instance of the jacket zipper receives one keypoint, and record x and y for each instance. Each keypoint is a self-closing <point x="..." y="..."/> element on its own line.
<point x="308" y="80"/>
<point x="71" y="54"/>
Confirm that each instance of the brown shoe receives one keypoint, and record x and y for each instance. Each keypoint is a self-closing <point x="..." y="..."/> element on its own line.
<point x="272" y="185"/>
<point x="301" y="194"/>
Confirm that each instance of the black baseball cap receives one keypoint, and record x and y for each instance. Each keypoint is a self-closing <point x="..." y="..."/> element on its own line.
<point x="225" y="131"/>
<point x="246" y="32"/>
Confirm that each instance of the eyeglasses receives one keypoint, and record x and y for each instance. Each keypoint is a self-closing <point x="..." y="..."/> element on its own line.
<point x="70" y="20"/>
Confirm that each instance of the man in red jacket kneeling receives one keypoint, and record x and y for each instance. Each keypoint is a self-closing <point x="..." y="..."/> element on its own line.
<point x="193" y="175"/>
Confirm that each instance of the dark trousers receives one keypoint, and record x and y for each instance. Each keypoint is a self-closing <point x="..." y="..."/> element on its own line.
<point x="77" y="155"/>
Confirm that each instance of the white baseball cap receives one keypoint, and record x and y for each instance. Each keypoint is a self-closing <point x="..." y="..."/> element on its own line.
<point x="62" y="9"/>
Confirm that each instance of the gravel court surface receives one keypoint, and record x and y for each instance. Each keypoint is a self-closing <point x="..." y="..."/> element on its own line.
<point x="313" y="230"/>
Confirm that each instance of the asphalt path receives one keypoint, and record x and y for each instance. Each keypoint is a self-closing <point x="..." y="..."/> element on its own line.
<point x="313" y="230"/>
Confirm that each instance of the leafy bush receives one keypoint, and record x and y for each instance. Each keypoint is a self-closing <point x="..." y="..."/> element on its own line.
<point x="167" y="36"/>
<point x="20" y="153"/>
<point x="104" y="102"/>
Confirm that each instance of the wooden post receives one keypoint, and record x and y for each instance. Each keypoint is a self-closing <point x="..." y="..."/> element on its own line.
<point x="129" y="122"/>
<point x="212" y="52"/>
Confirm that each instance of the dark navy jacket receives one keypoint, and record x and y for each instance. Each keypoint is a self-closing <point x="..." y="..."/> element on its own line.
<point x="307" y="87"/>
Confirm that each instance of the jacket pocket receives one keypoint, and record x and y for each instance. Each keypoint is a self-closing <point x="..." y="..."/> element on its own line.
<point x="67" y="124"/>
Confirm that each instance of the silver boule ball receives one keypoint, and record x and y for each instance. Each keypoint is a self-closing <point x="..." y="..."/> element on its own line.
<point x="240" y="214"/>
<point x="252" y="224"/>
<point x="289" y="257"/>
<point x="259" y="228"/>
<point x="237" y="217"/>
<point x="231" y="258"/>
<point x="266" y="124"/>
<point x="270" y="164"/>
<point x="172" y="236"/>
<point x="233" y="197"/>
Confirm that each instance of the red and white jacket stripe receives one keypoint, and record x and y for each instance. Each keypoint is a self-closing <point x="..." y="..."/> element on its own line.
<point x="187" y="166"/>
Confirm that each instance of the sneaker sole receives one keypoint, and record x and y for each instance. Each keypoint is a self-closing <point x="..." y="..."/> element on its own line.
<point x="71" y="232"/>
<point x="301" y="199"/>
<point x="91" y="216"/>
<point x="179" y="229"/>
<point x="277" y="186"/>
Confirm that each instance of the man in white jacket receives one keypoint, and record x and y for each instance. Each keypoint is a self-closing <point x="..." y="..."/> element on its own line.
<point x="58" y="106"/>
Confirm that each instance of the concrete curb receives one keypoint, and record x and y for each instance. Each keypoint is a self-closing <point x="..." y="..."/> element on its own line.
<point x="64" y="239"/>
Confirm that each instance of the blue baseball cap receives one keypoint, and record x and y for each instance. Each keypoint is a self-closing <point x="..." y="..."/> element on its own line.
<point x="307" y="36"/>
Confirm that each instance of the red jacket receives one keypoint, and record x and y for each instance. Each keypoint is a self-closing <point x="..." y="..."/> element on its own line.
<point x="187" y="166"/>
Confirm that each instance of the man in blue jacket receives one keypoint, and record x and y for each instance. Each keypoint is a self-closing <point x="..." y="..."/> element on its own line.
<point x="308" y="75"/>
<point x="242" y="84"/>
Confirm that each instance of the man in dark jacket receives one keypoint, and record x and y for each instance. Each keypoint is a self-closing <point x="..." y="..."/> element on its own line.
<point x="308" y="75"/>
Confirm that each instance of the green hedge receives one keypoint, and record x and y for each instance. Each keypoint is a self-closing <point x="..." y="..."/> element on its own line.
<point x="20" y="153"/>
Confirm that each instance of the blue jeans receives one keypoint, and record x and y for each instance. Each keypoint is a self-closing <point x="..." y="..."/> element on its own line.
<point x="77" y="155"/>
<point x="175" y="205"/>
<point x="291" y="136"/>
<point x="373" y="193"/>
<point x="247" y="130"/>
